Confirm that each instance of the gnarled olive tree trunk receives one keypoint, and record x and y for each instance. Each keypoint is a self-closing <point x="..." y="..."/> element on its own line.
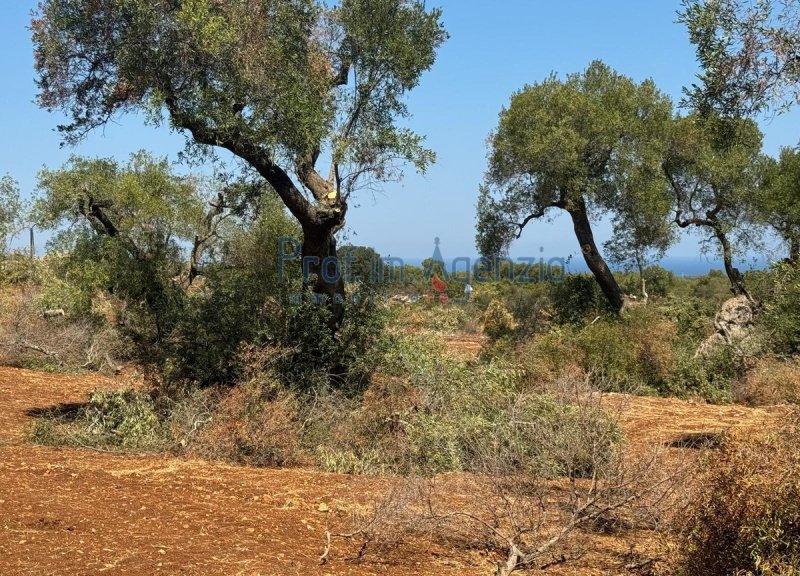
<point x="322" y="272"/>
<point x="591" y="255"/>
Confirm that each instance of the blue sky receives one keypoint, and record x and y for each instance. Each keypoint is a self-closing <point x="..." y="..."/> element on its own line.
<point x="495" y="49"/>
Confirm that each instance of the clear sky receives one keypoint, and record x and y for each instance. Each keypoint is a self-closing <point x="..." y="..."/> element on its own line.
<point x="495" y="49"/>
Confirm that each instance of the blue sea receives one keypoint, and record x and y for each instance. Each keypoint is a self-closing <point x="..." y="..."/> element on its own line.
<point x="680" y="265"/>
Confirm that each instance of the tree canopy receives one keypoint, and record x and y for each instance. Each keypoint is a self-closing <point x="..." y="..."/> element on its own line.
<point x="10" y="210"/>
<point x="590" y="144"/>
<point x="777" y="201"/>
<point x="714" y="169"/>
<point x="749" y="52"/>
<point x="278" y="83"/>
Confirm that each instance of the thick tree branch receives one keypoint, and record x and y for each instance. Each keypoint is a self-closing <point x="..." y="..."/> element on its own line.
<point x="538" y="214"/>
<point x="251" y="153"/>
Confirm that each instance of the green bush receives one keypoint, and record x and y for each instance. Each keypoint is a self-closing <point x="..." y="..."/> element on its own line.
<point x="709" y="377"/>
<point x="539" y="435"/>
<point x="633" y="353"/>
<point x="576" y="298"/>
<point x="610" y="355"/>
<point x="694" y="317"/>
<point x="781" y="316"/>
<point x="498" y="323"/>
<point x="313" y="358"/>
<point x="437" y="415"/>
<point x="125" y="419"/>
<point x="530" y="306"/>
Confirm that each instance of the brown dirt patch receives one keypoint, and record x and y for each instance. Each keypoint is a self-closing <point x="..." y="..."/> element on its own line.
<point x="68" y="511"/>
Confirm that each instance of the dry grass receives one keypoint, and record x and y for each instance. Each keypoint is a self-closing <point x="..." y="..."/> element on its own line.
<point x="744" y="518"/>
<point x="770" y="381"/>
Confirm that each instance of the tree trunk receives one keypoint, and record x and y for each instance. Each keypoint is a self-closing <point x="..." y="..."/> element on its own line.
<point x="734" y="275"/>
<point x="794" y="251"/>
<point x="322" y="270"/>
<point x="594" y="260"/>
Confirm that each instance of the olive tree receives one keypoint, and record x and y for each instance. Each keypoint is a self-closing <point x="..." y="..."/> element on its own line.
<point x="289" y="87"/>
<point x="123" y="230"/>
<point x="714" y="166"/>
<point x="749" y="51"/>
<point x="777" y="201"/>
<point x="589" y="145"/>
<point x="11" y="211"/>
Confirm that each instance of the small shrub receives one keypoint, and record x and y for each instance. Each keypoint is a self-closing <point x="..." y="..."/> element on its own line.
<point x="576" y="298"/>
<point x="658" y="282"/>
<point x="498" y="323"/>
<point x="431" y="414"/>
<point x="540" y="435"/>
<point x="709" y="377"/>
<point x="530" y="306"/>
<point x="693" y="316"/>
<point x="313" y="358"/>
<point x="770" y="381"/>
<point x="125" y="418"/>
<point x="781" y="317"/>
<point x="550" y="356"/>
<point x="633" y="354"/>
<point x="611" y="354"/>
<point x="255" y="425"/>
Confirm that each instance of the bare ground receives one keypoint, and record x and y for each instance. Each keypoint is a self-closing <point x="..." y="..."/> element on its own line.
<point x="69" y="511"/>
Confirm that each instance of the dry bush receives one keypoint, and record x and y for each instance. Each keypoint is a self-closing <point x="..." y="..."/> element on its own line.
<point x="771" y="381"/>
<point x="33" y="337"/>
<point x="654" y="338"/>
<point x="498" y="321"/>
<point x="378" y="530"/>
<point x="549" y="357"/>
<point x="371" y="439"/>
<point x="744" y="519"/>
<point x="534" y="521"/>
<point x="519" y="512"/>
<point x="257" y="422"/>
<point x="633" y="354"/>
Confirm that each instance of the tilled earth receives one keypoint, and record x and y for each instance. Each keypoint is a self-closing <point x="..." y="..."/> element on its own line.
<point x="72" y="511"/>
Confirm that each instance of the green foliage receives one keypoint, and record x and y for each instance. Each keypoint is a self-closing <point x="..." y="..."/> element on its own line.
<point x="714" y="166"/>
<point x="710" y="376"/>
<point x="610" y="354"/>
<point x="125" y="419"/>
<point x="746" y="52"/>
<point x="529" y="304"/>
<point x="199" y="65"/>
<point x="777" y="200"/>
<point x="781" y="315"/>
<point x="362" y="264"/>
<point x="11" y="211"/>
<point x="498" y="323"/>
<point x="449" y="416"/>
<point x="577" y="298"/>
<point x="242" y="297"/>
<point x="125" y="229"/>
<point x="596" y="138"/>
<point x="658" y="282"/>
